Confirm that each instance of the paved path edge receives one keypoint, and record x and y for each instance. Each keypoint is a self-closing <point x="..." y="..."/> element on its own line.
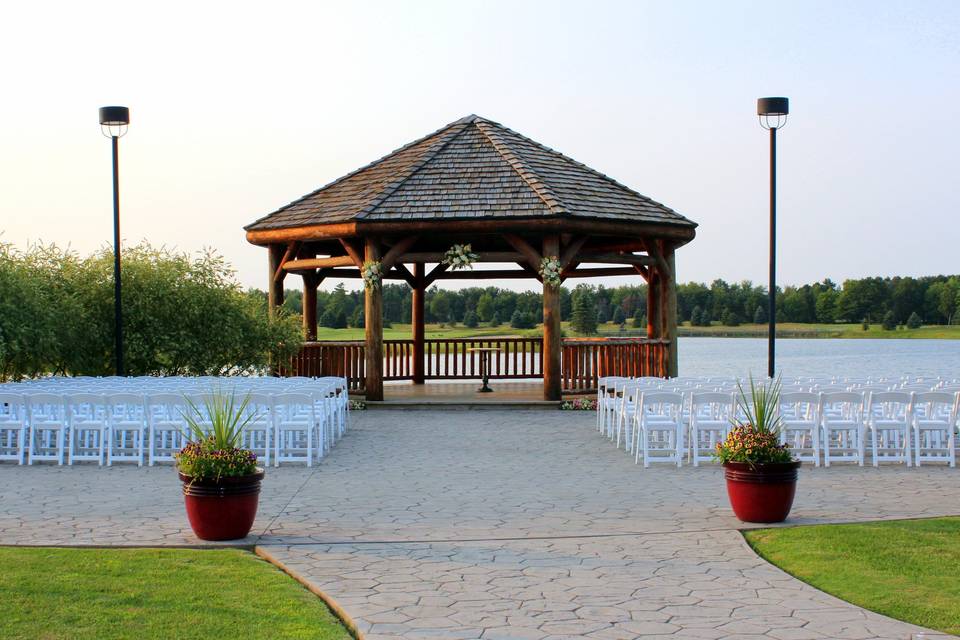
<point x="751" y="550"/>
<point x="334" y="606"/>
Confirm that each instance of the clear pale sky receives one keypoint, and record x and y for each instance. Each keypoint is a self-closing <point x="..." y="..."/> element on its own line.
<point x="238" y="108"/>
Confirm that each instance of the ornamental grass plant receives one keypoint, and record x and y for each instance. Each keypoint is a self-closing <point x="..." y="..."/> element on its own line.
<point x="755" y="439"/>
<point x="214" y="433"/>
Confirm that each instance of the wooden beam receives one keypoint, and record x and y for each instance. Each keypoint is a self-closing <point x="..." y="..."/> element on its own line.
<point x="391" y="257"/>
<point x="552" y="375"/>
<point x="353" y="252"/>
<point x="678" y="233"/>
<point x="417" y="320"/>
<point x="671" y="325"/>
<point x="405" y="274"/>
<point x="310" y="283"/>
<point x="643" y="271"/>
<point x="531" y="255"/>
<point x="616" y="258"/>
<point x="290" y="253"/>
<point x="515" y="274"/>
<point x="306" y="232"/>
<point x="317" y="263"/>
<point x="653" y="305"/>
<point x="570" y="251"/>
<point x="530" y="271"/>
<point x="483" y="256"/>
<point x="653" y="248"/>
<point x="435" y="273"/>
<point x="275" y="253"/>
<point x="373" y="330"/>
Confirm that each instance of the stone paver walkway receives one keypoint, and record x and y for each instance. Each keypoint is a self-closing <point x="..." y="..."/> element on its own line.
<point x="497" y="524"/>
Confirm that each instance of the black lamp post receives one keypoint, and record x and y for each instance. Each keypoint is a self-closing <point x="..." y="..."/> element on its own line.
<point x="113" y="124"/>
<point x="772" y="113"/>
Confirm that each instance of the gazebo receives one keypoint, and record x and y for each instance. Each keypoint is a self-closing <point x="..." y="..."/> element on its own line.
<point x="516" y="202"/>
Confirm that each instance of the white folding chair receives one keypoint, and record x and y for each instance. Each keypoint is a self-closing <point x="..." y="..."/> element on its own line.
<point x="13" y="427"/>
<point x="841" y="415"/>
<point x="128" y="424"/>
<point x="711" y="414"/>
<point x="658" y="425"/>
<point x="295" y="422"/>
<point x="48" y="422"/>
<point x="607" y="401"/>
<point x="89" y="428"/>
<point x="800" y="425"/>
<point x="889" y="417"/>
<point x="259" y="430"/>
<point x="934" y="427"/>
<point x="167" y="430"/>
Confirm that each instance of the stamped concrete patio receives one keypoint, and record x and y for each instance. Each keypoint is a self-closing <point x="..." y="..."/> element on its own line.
<point x="497" y="524"/>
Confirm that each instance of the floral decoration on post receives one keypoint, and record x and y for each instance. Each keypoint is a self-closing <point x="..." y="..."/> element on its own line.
<point x="460" y="256"/>
<point x="550" y="271"/>
<point x="372" y="273"/>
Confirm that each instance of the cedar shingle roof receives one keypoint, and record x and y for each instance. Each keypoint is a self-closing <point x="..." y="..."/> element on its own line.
<point x="472" y="168"/>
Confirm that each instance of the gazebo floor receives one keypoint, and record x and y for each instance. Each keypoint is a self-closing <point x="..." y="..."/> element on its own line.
<point x="519" y="394"/>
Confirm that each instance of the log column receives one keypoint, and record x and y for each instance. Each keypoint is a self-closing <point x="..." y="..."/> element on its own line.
<point x="670" y="325"/>
<point x="552" y="383"/>
<point x="275" y="285"/>
<point x="653" y="304"/>
<point x="373" y="317"/>
<point x="417" y="322"/>
<point x="310" y="284"/>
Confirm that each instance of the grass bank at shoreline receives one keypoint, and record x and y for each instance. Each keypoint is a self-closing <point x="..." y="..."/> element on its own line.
<point x="784" y="330"/>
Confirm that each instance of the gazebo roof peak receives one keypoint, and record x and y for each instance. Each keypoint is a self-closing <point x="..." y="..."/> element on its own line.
<point x="471" y="169"/>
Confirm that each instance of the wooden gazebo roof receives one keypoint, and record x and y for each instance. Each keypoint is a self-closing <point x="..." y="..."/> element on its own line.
<point x="471" y="170"/>
<point x="516" y="202"/>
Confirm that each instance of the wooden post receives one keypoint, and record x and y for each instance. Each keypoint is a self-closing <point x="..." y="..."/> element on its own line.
<point x="417" y="320"/>
<point x="274" y="284"/>
<point x="310" y="283"/>
<point x="373" y="317"/>
<point x="653" y="304"/>
<point x="670" y="329"/>
<point x="552" y="383"/>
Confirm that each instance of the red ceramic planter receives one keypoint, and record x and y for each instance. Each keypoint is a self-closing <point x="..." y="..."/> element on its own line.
<point x="761" y="492"/>
<point x="222" y="510"/>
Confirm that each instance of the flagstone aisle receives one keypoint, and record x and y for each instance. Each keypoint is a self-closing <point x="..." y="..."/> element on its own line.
<point x="499" y="524"/>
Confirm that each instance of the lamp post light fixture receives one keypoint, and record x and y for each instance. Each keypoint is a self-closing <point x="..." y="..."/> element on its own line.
<point x="113" y="124"/>
<point x="772" y="113"/>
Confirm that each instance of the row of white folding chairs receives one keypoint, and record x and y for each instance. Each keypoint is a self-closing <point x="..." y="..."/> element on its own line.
<point x="659" y="425"/>
<point x="331" y="392"/>
<point x="124" y="427"/>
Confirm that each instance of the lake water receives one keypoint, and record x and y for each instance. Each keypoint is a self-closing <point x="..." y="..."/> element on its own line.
<point x="819" y="357"/>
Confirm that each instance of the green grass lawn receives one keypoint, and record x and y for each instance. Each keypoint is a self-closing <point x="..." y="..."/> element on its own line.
<point x="784" y="330"/>
<point x="909" y="569"/>
<point x="155" y="593"/>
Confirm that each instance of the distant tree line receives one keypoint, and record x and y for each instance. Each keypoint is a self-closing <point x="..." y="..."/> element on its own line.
<point x="888" y="301"/>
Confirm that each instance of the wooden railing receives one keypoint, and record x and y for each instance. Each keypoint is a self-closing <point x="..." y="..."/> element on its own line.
<point x="582" y="360"/>
<point x="586" y="359"/>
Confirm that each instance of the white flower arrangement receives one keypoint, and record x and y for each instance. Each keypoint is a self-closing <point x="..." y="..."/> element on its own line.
<point x="550" y="271"/>
<point x="460" y="256"/>
<point x="372" y="273"/>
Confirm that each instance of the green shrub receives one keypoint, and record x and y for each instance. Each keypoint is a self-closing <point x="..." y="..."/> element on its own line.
<point x="914" y="321"/>
<point x="182" y="315"/>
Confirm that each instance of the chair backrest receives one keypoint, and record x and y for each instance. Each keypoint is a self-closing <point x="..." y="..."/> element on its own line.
<point x="849" y="404"/>
<point x="126" y="406"/>
<point x="661" y="398"/>
<point x="51" y="405"/>
<point x="936" y="405"/>
<point x="293" y="402"/>
<point x="889" y="405"/>
<point x="701" y="398"/>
